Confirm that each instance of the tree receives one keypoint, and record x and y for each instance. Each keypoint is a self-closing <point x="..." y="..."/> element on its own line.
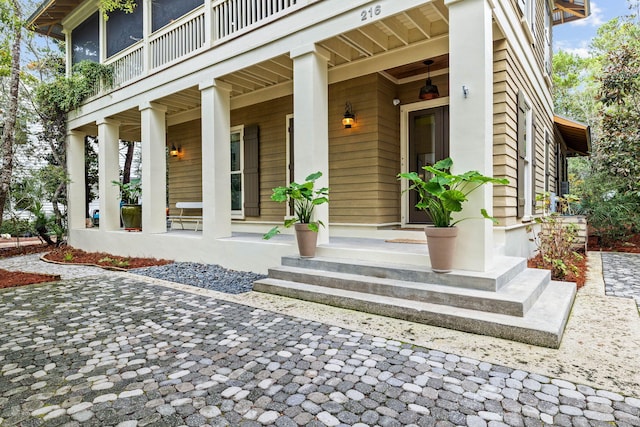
<point x="10" y="17"/>
<point x="618" y="150"/>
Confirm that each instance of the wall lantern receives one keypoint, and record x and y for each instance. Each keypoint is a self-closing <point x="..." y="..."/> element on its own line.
<point x="429" y="90"/>
<point x="175" y="152"/>
<point x="349" y="118"/>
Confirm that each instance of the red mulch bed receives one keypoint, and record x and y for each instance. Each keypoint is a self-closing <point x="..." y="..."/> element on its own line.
<point x="579" y="278"/>
<point x="23" y="250"/>
<point x="70" y="255"/>
<point x="631" y="245"/>
<point x="11" y="279"/>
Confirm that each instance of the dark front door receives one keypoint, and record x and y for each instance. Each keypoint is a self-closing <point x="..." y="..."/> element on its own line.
<point x="428" y="143"/>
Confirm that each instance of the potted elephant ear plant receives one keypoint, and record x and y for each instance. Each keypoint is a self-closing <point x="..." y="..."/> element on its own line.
<point x="130" y="209"/>
<point x="440" y="196"/>
<point x="303" y="198"/>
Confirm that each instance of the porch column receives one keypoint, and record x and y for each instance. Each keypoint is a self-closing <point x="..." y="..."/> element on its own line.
<point x="108" y="171"/>
<point x="216" y="159"/>
<point x="76" y="189"/>
<point x="311" y="130"/>
<point x="471" y="122"/>
<point x="154" y="168"/>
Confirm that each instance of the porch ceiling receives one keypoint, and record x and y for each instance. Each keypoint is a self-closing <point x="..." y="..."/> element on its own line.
<point x="576" y="135"/>
<point x="399" y="31"/>
<point x="570" y="10"/>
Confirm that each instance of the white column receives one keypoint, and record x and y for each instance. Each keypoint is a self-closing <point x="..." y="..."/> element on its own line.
<point x="471" y="122"/>
<point x="154" y="167"/>
<point x="311" y="130"/>
<point x="76" y="188"/>
<point x="216" y="159"/>
<point x="108" y="171"/>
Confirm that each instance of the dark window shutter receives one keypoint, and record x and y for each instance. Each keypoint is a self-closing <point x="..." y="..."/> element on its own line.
<point x="547" y="164"/>
<point x="534" y="163"/>
<point x="522" y="151"/>
<point x="252" y="170"/>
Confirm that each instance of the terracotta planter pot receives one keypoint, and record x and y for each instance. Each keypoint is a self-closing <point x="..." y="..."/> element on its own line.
<point x="441" y="242"/>
<point x="307" y="240"/>
<point x="131" y="217"/>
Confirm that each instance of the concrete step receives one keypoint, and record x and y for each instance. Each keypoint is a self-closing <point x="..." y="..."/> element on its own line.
<point x="543" y="324"/>
<point x="506" y="268"/>
<point x="514" y="299"/>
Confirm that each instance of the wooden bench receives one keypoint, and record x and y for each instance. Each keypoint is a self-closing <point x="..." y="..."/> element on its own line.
<point x="182" y="218"/>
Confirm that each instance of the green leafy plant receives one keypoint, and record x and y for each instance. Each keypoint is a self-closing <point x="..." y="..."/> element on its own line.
<point x="68" y="256"/>
<point x="304" y="199"/>
<point x="123" y="263"/>
<point x="107" y="6"/>
<point x="555" y="242"/>
<point x="130" y="192"/>
<point x="444" y="193"/>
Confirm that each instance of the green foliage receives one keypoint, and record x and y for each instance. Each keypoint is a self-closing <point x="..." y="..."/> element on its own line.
<point x="16" y="226"/>
<point x="613" y="211"/>
<point x="129" y="192"/>
<point x="445" y="192"/>
<point x="64" y="94"/>
<point x="68" y="256"/>
<point x="111" y="5"/>
<point x="555" y="242"/>
<point x="304" y="199"/>
<point x="122" y="263"/>
<point x="574" y="86"/>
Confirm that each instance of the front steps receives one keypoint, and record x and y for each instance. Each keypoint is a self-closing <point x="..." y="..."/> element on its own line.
<point x="511" y="302"/>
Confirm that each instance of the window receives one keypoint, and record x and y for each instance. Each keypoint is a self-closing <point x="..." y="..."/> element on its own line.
<point x="528" y="9"/>
<point x="85" y="40"/>
<point x="547" y="39"/>
<point x="164" y="12"/>
<point x="237" y="160"/>
<point x="123" y="30"/>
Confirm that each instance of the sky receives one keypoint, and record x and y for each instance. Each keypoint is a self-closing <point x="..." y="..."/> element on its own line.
<point x="575" y="36"/>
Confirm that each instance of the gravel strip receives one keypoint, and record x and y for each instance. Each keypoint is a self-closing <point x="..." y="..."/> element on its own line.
<point x="207" y="276"/>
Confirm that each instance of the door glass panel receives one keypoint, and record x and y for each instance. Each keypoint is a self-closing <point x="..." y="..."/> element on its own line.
<point x="424" y="135"/>
<point x="428" y="143"/>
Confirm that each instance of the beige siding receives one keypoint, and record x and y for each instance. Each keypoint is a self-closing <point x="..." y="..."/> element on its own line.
<point x="509" y="78"/>
<point x="185" y="173"/>
<point x="364" y="160"/>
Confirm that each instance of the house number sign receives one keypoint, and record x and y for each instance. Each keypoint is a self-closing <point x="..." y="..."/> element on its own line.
<point x="370" y="13"/>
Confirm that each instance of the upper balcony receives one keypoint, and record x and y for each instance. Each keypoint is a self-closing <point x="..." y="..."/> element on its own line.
<point x="152" y="38"/>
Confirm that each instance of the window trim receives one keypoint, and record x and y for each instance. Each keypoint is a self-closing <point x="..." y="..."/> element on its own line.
<point x="238" y="214"/>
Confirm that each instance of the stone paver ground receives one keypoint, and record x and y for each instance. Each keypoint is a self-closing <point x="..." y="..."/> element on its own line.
<point x="622" y="275"/>
<point x="117" y="350"/>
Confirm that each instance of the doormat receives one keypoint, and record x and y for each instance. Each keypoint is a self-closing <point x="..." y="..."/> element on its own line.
<point x="414" y="241"/>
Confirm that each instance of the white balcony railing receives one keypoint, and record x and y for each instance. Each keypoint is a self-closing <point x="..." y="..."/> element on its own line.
<point x="232" y="16"/>
<point x="188" y="35"/>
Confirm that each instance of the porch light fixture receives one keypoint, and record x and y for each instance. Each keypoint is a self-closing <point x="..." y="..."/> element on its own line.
<point x="429" y="90"/>
<point x="349" y="118"/>
<point x="175" y="152"/>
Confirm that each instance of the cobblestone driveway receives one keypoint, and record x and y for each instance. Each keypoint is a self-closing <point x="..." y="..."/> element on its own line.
<point x="116" y="351"/>
<point x="621" y="277"/>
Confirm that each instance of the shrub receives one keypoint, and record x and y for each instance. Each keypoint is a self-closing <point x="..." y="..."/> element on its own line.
<point x="555" y="242"/>
<point x="612" y="210"/>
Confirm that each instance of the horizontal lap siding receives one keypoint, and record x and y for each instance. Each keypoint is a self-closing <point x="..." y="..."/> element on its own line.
<point x="185" y="174"/>
<point x="363" y="160"/>
<point x="359" y="169"/>
<point x="504" y="134"/>
<point x="270" y="117"/>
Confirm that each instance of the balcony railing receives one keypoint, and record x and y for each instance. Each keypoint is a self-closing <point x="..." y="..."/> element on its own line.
<point x="190" y="34"/>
